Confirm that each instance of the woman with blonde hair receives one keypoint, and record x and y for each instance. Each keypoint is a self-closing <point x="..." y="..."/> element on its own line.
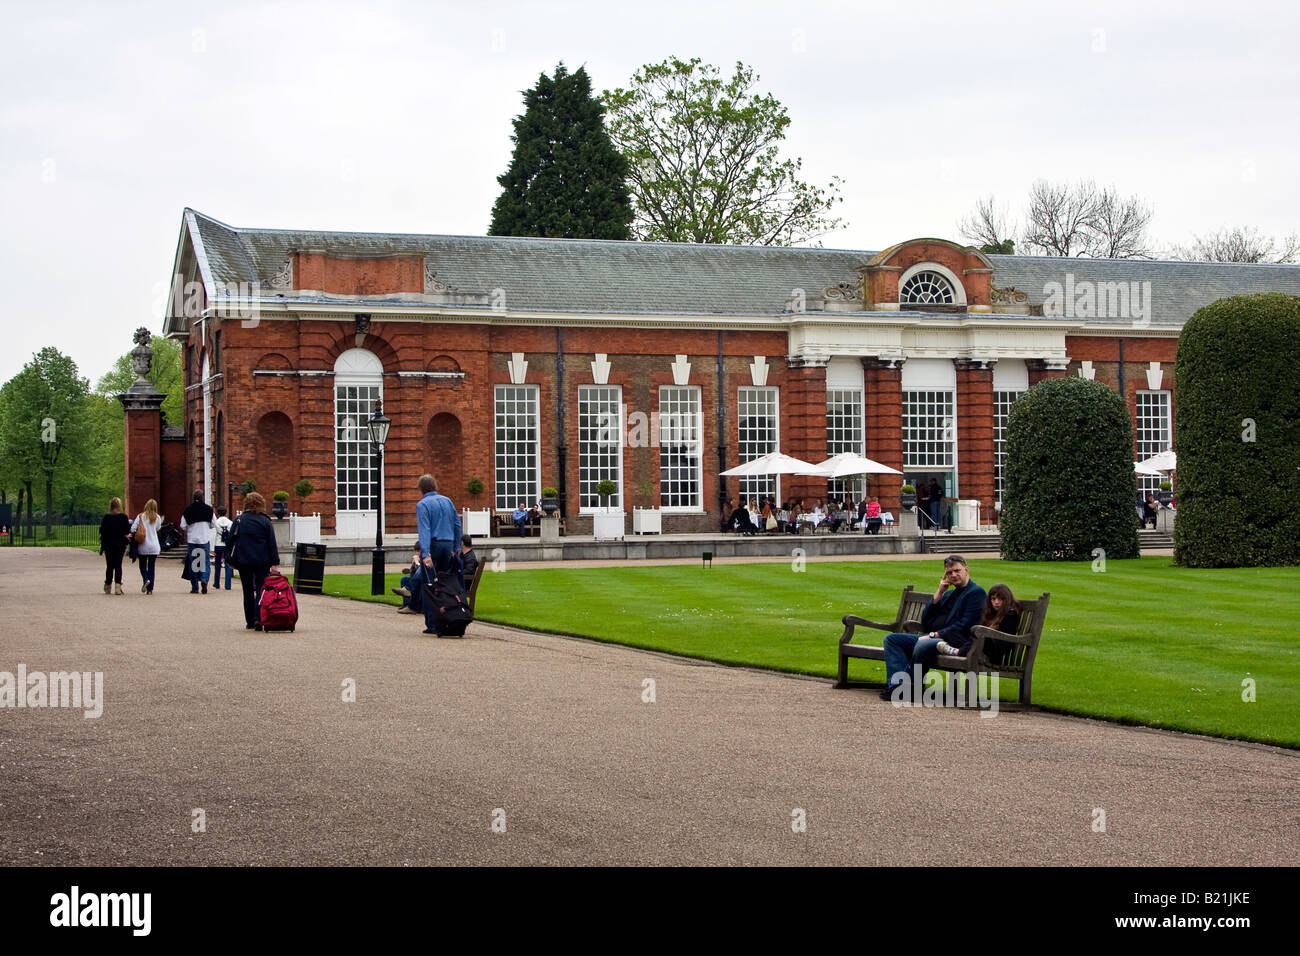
<point x="113" y="533"/>
<point x="145" y="530"/>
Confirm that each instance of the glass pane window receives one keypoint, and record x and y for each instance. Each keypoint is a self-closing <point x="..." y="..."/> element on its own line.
<point x="757" y="416"/>
<point x="681" y="429"/>
<point x="1154" y="434"/>
<point x="845" y="434"/>
<point x="354" y="457"/>
<point x="1002" y="402"/>
<point x="926" y="287"/>
<point x="517" y="446"/>
<point x="929" y="430"/>
<point x="600" y="445"/>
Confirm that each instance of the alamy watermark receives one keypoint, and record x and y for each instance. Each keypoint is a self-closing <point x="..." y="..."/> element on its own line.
<point x="979" y="691"/>
<point x="230" y="300"/>
<point x="1085" y="299"/>
<point x="75" y="690"/>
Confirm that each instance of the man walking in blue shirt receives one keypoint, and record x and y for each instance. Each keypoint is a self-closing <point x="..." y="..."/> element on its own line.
<point x="438" y="525"/>
<point x="951" y="614"/>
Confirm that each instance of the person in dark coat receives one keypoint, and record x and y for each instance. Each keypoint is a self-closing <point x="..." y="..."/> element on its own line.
<point x="936" y="502"/>
<point x="113" y="532"/>
<point x="256" y="555"/>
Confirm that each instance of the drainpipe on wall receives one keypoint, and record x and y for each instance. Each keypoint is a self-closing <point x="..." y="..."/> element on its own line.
<point x="722" y="433"/>
<point x="559" y="386"/>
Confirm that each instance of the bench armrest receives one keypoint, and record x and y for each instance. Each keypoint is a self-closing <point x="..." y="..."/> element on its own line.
<point x="982" y="633"/>
<point x="852" y="620"/>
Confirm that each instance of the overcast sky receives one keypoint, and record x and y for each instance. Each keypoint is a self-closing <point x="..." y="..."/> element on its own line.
<point x="396" y="117"/>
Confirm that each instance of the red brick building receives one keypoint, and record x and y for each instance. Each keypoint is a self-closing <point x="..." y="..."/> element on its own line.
<point x="529" y="363"/>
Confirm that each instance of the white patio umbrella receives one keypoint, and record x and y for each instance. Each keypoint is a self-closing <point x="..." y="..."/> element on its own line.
<point x="850" y="463"/>
<point x="1166" y="461"/>
<point x="1143" y="469"/>
<point x="773" y="463"/>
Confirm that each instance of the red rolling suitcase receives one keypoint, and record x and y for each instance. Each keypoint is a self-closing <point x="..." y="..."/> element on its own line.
<point x="279" y="607"/>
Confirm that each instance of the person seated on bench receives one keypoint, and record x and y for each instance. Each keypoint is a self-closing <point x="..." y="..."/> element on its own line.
<point x="412" y="589"/>
<point x="1150" y="511"/>
<point x="1002" y="613"/>
<point x="519" y="517"/>
<point x="535" y="516"/>
<point x="956" y="608"/>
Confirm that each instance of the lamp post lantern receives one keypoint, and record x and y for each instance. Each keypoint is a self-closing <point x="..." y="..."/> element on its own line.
<point x="379" y="426"/>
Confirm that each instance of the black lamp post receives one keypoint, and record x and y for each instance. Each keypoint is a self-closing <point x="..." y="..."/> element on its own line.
<point x="379" y="426"/>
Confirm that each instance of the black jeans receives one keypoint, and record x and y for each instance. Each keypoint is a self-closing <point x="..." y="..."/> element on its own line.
<point x="251" y="579"/>
<point x="113" y="565"/>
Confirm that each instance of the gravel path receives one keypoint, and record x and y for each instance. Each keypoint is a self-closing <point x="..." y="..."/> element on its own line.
<point x="551" y="737"/>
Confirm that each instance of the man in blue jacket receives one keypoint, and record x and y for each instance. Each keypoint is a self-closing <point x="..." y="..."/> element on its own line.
<point x="438" y="525"/>
<point x="956" y="608"/>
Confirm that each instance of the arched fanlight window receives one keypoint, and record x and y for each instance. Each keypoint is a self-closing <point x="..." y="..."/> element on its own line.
<point x="927" y="287"/>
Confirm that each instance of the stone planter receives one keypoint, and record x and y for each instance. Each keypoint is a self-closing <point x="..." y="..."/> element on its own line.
<point x="907" y="502"/>
<point x="550" y="505"/>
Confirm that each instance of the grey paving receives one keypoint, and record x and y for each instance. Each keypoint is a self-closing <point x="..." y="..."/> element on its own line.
<point x="199" y="713"/>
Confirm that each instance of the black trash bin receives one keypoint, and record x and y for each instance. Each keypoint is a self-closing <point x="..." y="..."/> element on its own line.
<point x="309" y="568"/>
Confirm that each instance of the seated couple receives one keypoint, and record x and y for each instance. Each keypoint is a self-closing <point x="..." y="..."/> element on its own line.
<point x="959" y="604"/>
<point x="415" y="580"/>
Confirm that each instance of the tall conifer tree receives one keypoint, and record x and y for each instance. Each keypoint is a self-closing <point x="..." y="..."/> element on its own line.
<point x="566" y="179"/>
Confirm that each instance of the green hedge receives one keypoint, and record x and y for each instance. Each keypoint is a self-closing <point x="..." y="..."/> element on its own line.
<point x="1239" y="500"/>
<point x="1069" y="482"/>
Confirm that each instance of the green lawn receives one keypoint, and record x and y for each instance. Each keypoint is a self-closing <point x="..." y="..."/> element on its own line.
<point x="1144" y="642"/>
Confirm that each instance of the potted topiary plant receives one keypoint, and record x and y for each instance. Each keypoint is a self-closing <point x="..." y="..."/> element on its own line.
<point x="280" y="507"/>
<point x="907" y="497"/>
<point x="604" y="488"/>
<point x="1166" y="493"/>
<point x="550" y="500"/>
<point x="475" y="487"/>
<point x="303" y="490"/>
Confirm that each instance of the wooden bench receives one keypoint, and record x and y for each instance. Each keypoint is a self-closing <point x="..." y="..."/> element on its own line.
<point x="1016" y="662"/>
<point x="503" y="525"/>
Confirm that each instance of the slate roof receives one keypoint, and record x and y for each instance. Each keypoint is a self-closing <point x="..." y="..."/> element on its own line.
<point x="602" y="277"/>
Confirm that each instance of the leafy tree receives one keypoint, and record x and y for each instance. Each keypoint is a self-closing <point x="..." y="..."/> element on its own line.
<point x="44" y="430"/>
<point x="565" y="179"/>
<point x="1238" y="480"/>
<point x="703" y="155"/>
<point x="1240" y="244"/>
<point x="1070" y="487"/>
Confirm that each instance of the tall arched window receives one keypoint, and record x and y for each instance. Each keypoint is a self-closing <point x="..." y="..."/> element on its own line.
<point x="358" y="386"/>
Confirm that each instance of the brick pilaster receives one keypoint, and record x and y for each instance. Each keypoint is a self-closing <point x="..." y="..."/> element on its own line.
<point x="883" y="388"/>
<point x="975" y="452"/>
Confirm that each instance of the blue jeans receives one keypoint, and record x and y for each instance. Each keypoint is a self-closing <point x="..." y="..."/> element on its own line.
<point x="147" y="569"/>
<point x="904" y="650"/>
<point x="200" y="568"/>
<point x="415" y="584"/>
<point x="218" y="559"/>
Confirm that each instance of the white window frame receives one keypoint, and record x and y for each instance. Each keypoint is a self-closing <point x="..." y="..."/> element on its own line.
<point x="842" y="438"/>
<point x="758" y="401"/>
<point x="935" y="453"/>
<point x="506" y="460"/>
<point x="600" y="445"/>
<point x="958" y="290"/>
<point x="1154" y="433"/>
<point x="353" y="451"/>
<point x="1002" y="402"/>
<point x="678" y="430"/>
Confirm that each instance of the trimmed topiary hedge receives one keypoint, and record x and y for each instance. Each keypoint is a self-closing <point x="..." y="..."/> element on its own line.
<point x="1237" y="415"/>
<point x="1070" y="486"/>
